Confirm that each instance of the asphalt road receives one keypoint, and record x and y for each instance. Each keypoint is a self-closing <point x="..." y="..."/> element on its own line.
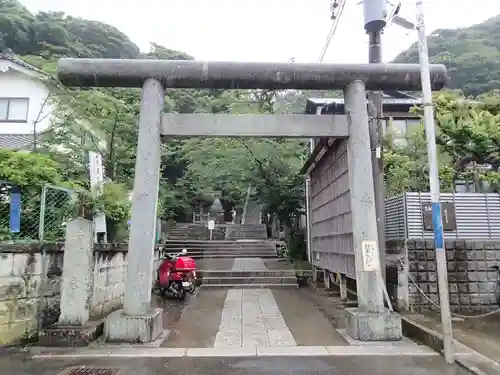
<point x="339" y="365"/>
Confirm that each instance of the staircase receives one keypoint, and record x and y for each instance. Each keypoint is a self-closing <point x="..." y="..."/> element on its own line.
<point x="239" y="261"/>
<point x="246" y="231"/>
<point x="222" y="249"/>
<point x="248" y="279"/>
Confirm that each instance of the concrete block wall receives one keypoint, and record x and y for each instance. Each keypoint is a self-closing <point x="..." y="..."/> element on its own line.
<point x="472" y="282"/>
<point x="30" y="282"/>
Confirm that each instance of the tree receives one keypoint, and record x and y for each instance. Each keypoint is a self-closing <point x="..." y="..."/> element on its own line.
<point x="472" y="55"/>
<point x="104" y="121"/>
<point x="468" y="134"/>
<point x="53" y="34"/>
<point x="28" y="173"/>
<point x="406" y="166"/>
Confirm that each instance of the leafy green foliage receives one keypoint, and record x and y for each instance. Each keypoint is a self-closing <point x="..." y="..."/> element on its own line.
<point x="472" y="56"/>
<point x="56" y="34"/>
<point x="468" y="133"/>
<point x="28" y="170"/>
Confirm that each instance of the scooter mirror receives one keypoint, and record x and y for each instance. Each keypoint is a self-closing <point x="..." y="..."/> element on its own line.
<point x="184" y="251"/>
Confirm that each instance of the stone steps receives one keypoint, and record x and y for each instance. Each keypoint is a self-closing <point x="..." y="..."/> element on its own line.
<point x="249" y="286"/>
<point x="234" y="252"/>
<point x="243" y="273"/>
<point x="221" y="248"/>
<point x="247" y="231"/>
<point x="231" y="256"/>
<point x="248" y="278"/>
<point x="258" y="280"/>
<point x="244" y="242"/>
<point x="189" y="231"/>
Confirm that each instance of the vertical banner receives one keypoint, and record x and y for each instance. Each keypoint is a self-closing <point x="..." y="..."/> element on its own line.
<point x="15" y="210"/>
<point x="96" y="181"/>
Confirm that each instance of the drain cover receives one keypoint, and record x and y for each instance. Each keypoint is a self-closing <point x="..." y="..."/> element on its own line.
<point x="90" y="371"/>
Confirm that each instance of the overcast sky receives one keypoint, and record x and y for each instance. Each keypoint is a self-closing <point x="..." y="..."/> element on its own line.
<point x="262" y="30"/>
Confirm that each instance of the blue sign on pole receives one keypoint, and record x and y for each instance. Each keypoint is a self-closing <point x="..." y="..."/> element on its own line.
<point x="15" y="210"/>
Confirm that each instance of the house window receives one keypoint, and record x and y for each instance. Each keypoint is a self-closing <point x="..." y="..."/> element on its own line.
<point x="398" y="127"/>
<point x="14" y="109"/>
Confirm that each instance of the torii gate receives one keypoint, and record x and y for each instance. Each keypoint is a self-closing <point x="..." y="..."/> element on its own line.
<point x="138" y="321"/>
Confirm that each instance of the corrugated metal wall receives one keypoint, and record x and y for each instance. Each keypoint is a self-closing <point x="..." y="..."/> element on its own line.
<point x="395" y="220"/>
<point x="331" y="224"/>
<point x="477" y="216"/>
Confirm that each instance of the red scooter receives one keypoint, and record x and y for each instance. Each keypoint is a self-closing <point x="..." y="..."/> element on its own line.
<point x="177" y="275"/>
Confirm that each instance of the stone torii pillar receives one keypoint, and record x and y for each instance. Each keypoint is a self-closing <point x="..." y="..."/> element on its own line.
<point x="137" y="321"/>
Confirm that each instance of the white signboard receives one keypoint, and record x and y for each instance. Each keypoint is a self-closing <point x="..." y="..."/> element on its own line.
<point x="371" y="261"/>
<point x="96" y="170"/>
<point x="211" y="225"/>
<point x="96" y="181"/>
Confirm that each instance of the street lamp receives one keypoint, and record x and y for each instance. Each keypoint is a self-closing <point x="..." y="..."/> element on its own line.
<point x="430" y="132"/>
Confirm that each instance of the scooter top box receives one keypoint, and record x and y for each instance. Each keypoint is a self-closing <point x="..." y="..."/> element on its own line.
<point x="185" y="263"/>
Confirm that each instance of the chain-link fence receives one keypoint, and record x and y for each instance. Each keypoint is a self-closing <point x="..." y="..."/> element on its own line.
<point x="19" y="213"/>
<point x="56" y="208"/>
<point x="33" y="214"/>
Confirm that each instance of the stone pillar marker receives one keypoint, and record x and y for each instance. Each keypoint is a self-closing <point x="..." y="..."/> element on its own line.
<point x="77" y="274"/>
<point x="137" y="321"/>
<point x="73" y="327"/>
<point x="370" y="321"/>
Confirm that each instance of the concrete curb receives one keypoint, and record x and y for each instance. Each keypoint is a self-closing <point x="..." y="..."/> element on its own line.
<point x="425" y="336"/>
<point x="220" y="352"/>
<point x="434" y="340"/>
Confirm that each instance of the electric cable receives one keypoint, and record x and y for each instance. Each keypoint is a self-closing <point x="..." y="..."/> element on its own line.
<point x="331" y="33"/>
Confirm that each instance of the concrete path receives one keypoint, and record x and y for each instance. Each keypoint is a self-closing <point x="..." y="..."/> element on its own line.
<point x="206" y="320"/>
<point x="251" y="317"/>
<point x="236" y="318"/>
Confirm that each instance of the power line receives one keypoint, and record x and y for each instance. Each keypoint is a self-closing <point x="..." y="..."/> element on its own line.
<point x="336" y="18"/>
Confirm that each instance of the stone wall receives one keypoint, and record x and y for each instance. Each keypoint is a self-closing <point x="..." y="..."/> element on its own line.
<point x="110" y="264"/>
<point x="471" y="280"/>
<point x="30" y="281"/>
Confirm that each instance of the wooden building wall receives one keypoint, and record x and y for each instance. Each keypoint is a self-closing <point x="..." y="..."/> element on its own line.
<point x="331" y="224"/>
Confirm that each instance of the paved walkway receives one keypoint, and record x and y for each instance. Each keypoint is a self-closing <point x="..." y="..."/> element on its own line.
<point x="235" y="318"/>
<point x="251" y="317"/>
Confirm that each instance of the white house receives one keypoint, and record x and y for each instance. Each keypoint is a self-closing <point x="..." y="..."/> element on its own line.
<point x="25" y="108"/>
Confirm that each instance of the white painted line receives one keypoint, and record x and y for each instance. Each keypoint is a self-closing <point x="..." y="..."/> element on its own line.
<point x="293" y="351"/>
<point x="71" y="355"/>
<point x="382" y="350"/>
<point x="150" y="353"/>
<point x="221" y="352"/>
<point x="297" y="351"/>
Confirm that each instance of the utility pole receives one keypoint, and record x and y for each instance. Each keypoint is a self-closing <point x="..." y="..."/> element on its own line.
<point x="437" y="219"/>
<point x="375" y="14"/>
